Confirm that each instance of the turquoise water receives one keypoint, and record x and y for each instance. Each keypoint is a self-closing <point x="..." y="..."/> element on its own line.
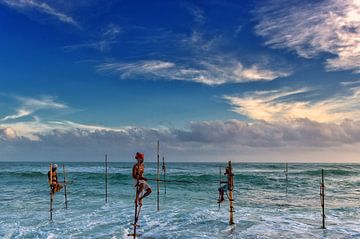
<point x="188" y="210"/>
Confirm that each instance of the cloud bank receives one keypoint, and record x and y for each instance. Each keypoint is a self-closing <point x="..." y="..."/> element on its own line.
<point x="200" y="139"/>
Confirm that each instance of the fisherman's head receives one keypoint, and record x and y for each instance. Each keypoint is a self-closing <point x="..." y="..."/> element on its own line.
<point x="139" y="157"/>
<point x="54" y="167"/>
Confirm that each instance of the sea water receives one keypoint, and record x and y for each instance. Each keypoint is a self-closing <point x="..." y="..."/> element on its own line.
<point x="189" y="209"/>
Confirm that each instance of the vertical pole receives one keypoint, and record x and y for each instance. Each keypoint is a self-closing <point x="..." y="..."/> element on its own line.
<point x="51" y="193"/>
<point x="65" y="191"/>
<point x="106" y="179"/>
<point x="158" y="174"/>
<point x="219" y="183"/>
<point x="136" y="215"/>
<point x="164" y="172"/>
<point x="286" y="175"/>
<point x="322" y="198"/>
<point x="231" y="188"/>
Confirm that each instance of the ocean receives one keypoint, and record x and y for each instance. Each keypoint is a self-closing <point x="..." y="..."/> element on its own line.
<point x="189" y="209"/>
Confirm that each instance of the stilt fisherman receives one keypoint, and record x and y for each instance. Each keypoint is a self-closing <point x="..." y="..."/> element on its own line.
<point x="143" y="189"/>
<point x="55" y="186"/>
<point x="228" y="186"/>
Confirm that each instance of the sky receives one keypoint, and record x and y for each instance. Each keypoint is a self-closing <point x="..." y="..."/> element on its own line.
<point x="215" y="80"/>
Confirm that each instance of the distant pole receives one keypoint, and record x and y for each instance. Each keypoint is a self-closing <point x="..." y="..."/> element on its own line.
<point x="164" y="172"/>
<point x="158" y="175"/>
<point x="51" y="193"/>
<point x="65" y="191"/>
<point x="219" y="182"/>
<point x="231" y="188"/>
<point x="322" y="198"/>
<point x="286" y="175"/>
<point x="106" y="179"/>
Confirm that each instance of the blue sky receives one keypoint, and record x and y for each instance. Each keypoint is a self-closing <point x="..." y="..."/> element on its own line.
<point x="213" y="80"/>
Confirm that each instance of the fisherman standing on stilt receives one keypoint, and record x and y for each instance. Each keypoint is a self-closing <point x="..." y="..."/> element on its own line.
<point x="55" y="185"/>
<point x="227" y="187"/>
<point x="143" y="189"/>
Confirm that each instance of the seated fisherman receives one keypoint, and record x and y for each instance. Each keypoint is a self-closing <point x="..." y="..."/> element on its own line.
<point x="56" y="186"/>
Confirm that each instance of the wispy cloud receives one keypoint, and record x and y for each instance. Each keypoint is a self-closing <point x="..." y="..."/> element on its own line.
<point x="31" y="105"/>
<point x="201" y="56"/>
<point x="314" y="27"/>
<point x="197" y="13"/>
<point x="41" y="7"/>
<point x="284" y="104"/>
<point x="205" y="72"/>
<point x="107" y="38"/>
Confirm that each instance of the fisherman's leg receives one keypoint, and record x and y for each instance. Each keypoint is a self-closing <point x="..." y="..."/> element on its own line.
<point x="221" y="195"/>
<point x="140" y="194"/>
<point x="53" y="187"/>
<point x="58" y="187"/>
<point x="146" y="190"/>
<point x="222" y="191"/>
<point x="147" y="193"/>
<point x="139" y="189"/>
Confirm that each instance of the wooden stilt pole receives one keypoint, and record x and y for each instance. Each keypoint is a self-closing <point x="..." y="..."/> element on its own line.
<point x="136" y="218"/>
<point x="231" y="188"/>
<point x="286" y="175"/>
<point x="106" y="179"/>
<point x="65" y="191"/>
<point x="164" y="172"/>
<point x="51" y="193"/>
<point x="322" y="198"/>
<point x="137" y="209"/>
<point x="219" y="183"/>
<point x="158" y="176"/>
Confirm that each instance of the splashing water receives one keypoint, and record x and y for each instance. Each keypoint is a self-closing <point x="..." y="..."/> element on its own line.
<point x="188" y="210"/>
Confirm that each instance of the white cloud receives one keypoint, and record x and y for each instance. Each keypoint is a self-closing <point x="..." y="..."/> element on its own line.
<point x="31" y="105"/>
<point x="9" y="133"/>
<point x="36" y="128"/>
<point x="275" y="106"/>
<point x="205" y="72"/>
<point x="41" y="7"/>
<point x="108" y="37"/>
<point x="313" y="27"/>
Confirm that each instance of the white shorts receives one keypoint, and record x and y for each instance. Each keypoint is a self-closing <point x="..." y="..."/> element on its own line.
<point x="145" y="185"/>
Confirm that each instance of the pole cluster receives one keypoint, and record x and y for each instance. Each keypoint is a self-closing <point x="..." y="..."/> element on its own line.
<point x="228" y="188"/>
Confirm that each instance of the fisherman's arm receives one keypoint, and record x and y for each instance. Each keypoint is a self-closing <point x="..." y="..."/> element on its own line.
<point x="143" y="178"/>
